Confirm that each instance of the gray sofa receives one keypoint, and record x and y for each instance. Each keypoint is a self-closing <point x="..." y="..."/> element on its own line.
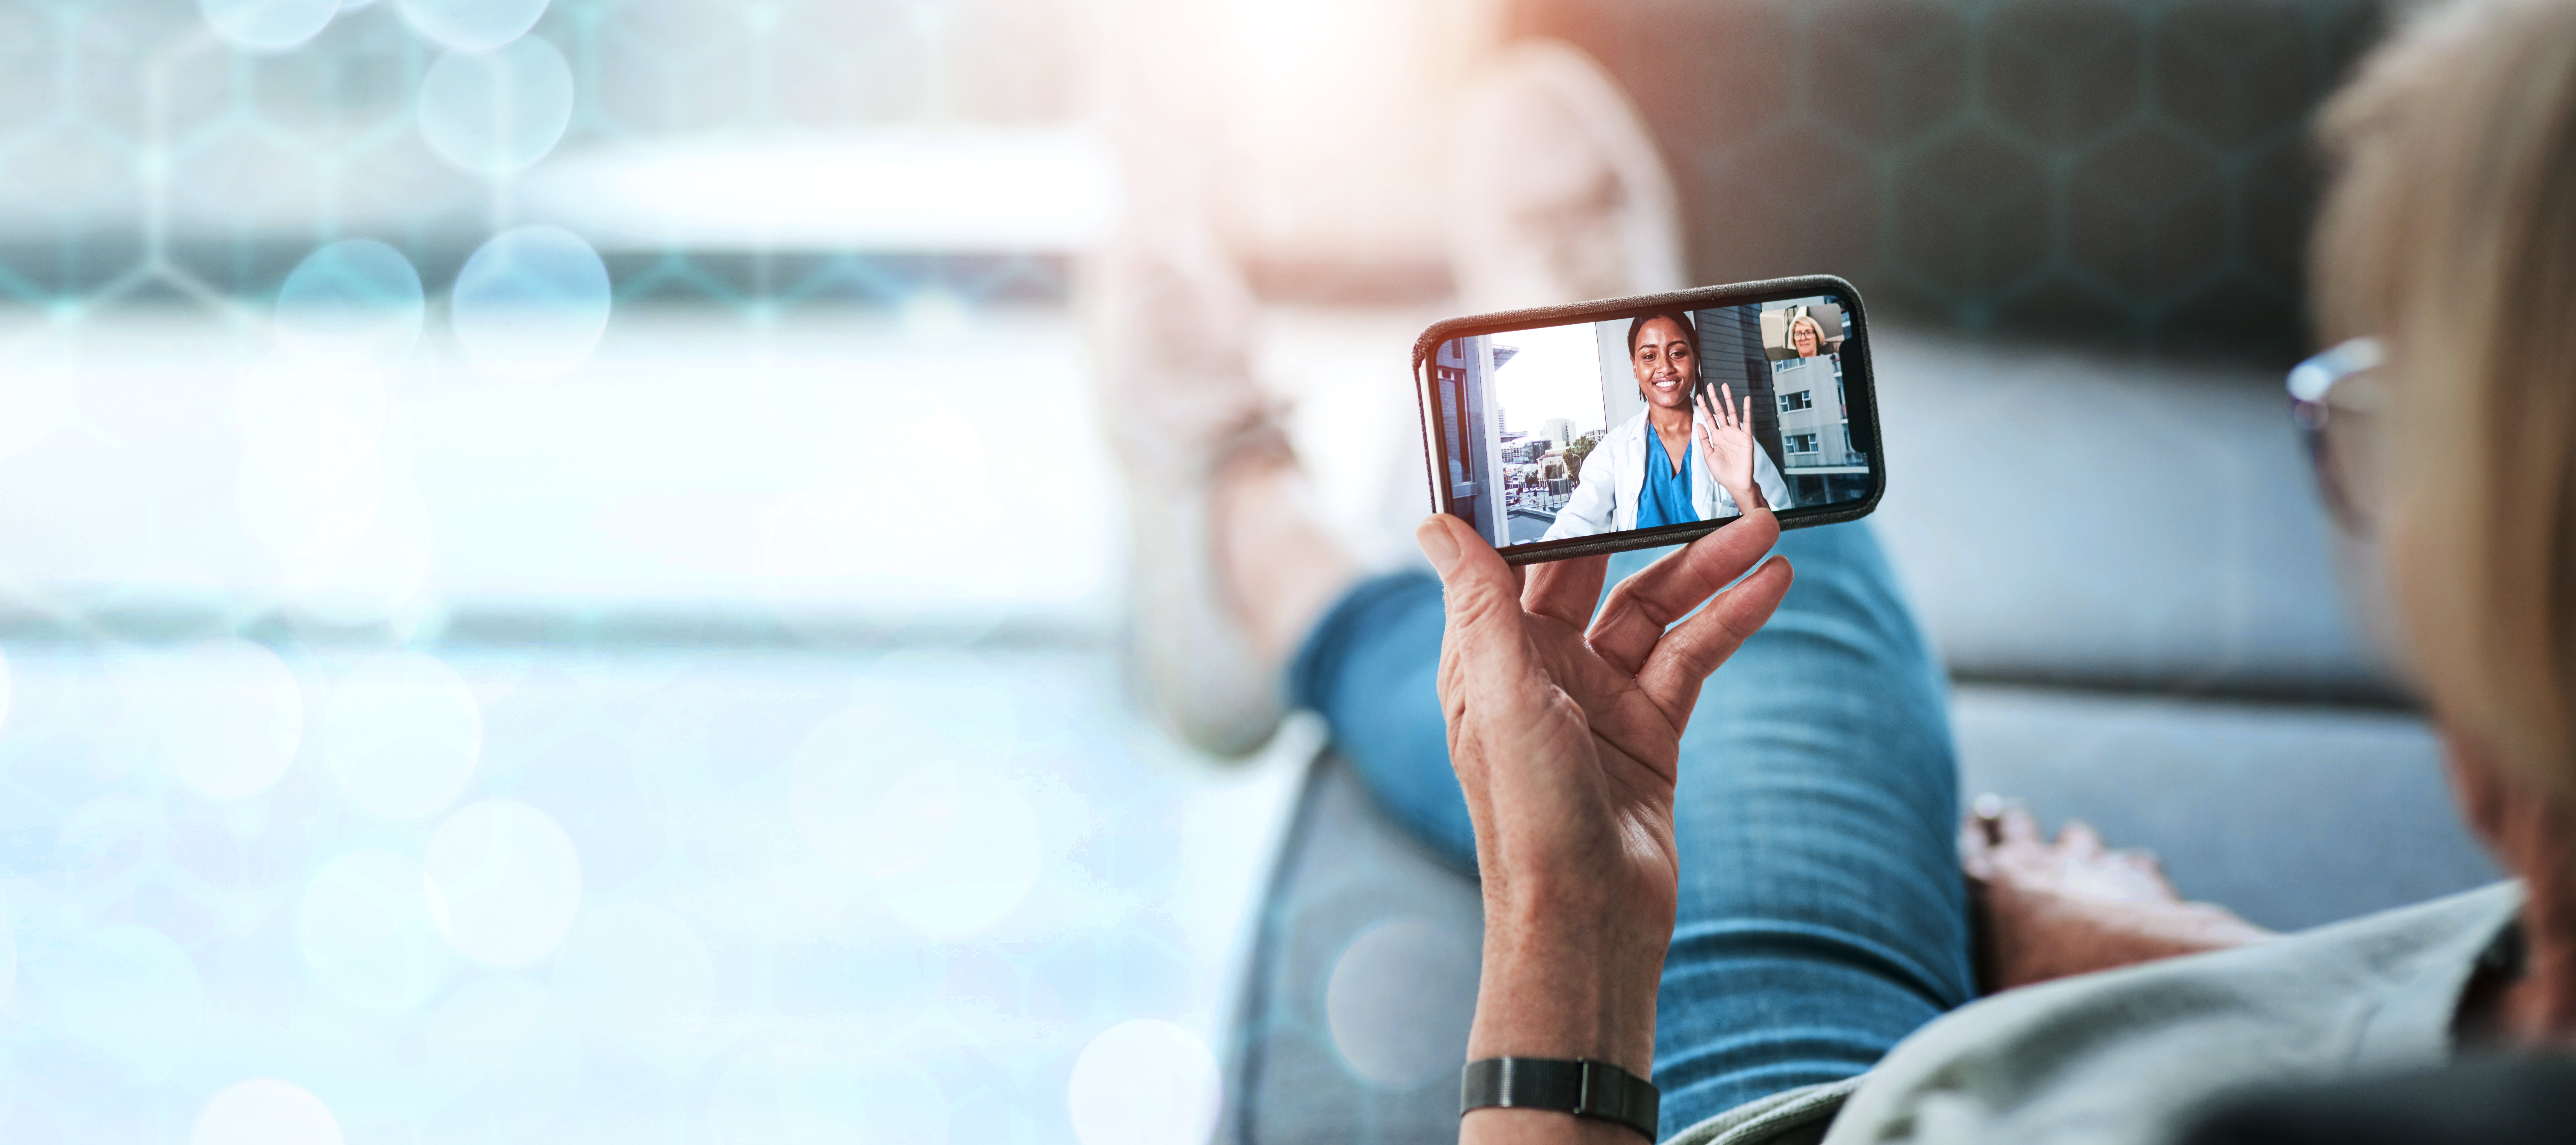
<point x="2081" y="220"/>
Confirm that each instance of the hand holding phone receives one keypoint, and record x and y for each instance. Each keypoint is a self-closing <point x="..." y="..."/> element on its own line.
<point x="1647" y="421"/>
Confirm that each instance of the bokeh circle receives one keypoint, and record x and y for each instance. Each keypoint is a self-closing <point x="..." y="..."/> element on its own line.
<point x="267" y="25"/>
<point x="504" y="882"/>
<point x="531" y="302"/>
<point x="357" y="293"/>
<point x="126" y="989"/>
<point x="639" y="975"/>
<point x="1391" y="1020"/>
<point x="1144" y="1082"/>
<point x="950" y="838"/>
<point x="402" y="734"/>
<point x="793" y="1095"/>
<point x="265" y="1111"/>
<point x="497" y="112"/>
<point x="8" y="689"/>
<point x="365" y="931"/>
<point x="473" y="25"/>
<point x="506" y="1042"/>
<point x="232" y="715"/>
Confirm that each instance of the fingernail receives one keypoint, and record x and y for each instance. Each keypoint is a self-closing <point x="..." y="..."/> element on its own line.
<point x="1437" y="543"/>
<point x="1990" y="806"/>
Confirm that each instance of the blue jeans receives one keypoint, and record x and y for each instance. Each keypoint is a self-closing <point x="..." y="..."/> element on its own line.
<point x="1822" y="915"/>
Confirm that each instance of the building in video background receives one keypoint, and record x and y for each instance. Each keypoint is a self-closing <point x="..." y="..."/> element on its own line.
<point x="1730" y="342"/>
<point x="1471" y="433"/>
<point x="1817" y="456"/>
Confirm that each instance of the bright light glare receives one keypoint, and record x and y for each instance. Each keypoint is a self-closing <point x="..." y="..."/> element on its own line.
<point x="265" y="1111"/>
<point x="950" y="192"/>
<point x="473" y="25"/>
<point x="493" y="113"/>
<point x="840" y="787"/>
<point x="36" y="388"/>
<point x="232" y="715"/>
<point x="358" y="293"/>
<point x="952" y="842"/>
<point x="531" y="302"/>
<point x="793" y="1097"/>
<point x="311" y="476"/>
<point x="1557" y="373"/>
<point x="504" y="882"/>
<point x="639" y="975"/>
<point x="267" y="25"/>
<point x="8" y="960"/>
<point x="505" y="1043"/>
<point x="401" y="734"/>
<point x="1144" y="1082"/>
<point x="365" y="930"/>
<point x="128" y="990"/>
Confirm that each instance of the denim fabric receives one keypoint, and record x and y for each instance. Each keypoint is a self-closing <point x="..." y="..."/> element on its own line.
<point x="1822" y="916"/>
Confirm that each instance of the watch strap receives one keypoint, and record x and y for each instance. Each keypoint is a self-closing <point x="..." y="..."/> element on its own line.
<point x="1583" y="1088"/>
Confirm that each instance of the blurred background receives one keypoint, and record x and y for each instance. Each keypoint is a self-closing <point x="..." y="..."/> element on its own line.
<point x="560" y="574"/>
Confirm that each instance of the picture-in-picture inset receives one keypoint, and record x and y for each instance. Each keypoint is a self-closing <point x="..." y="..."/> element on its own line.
<point x="1649" y="420"/>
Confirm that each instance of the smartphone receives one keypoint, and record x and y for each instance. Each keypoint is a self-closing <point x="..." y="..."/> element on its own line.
<point x="1648" y="421"/>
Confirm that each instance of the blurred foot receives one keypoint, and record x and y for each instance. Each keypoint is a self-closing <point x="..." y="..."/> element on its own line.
<point x="2046" y="910"/>
<point x="1228" y="573"/>
<point x="1561" y="196"/>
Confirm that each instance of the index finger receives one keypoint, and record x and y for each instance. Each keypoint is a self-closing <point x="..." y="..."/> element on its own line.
<point x="1683" y="659"/>
<point x="1566" y="590"/>
<point x="1645" y="604"/>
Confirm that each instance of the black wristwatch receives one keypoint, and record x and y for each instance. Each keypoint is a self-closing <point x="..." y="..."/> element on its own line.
<point x="1583" y="1088"/>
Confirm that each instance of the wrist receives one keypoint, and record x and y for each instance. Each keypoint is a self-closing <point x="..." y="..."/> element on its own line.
<point x="1583" y="991"/>
<point x="1583" y="1095"/>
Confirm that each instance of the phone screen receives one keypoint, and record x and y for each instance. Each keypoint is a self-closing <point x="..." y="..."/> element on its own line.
<point x="1648" y="425"/>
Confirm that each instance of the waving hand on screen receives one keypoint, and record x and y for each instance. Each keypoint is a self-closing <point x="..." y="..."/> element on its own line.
<point x="1726" y="446"/>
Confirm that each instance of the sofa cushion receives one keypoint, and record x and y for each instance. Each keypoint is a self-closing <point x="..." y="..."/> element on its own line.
<point x="2083" y="519"/>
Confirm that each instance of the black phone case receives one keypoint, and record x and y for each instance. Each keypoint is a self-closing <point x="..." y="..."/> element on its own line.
<point x="1860" y="392"/>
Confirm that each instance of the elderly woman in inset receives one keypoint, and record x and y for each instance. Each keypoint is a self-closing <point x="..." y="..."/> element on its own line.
<point x="1806" y="336"/>
<point x="1646" y="472"/>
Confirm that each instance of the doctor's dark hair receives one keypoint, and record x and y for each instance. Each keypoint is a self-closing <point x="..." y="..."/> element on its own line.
<point x="1690" y="330"/>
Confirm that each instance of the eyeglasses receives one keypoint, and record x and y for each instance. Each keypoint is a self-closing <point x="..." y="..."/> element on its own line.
<point x="2336" y="398"/>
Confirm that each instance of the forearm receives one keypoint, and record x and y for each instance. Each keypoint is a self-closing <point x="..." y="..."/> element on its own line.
<point x="1568" y="985"/>
<point x="1540" y="1127"/>
<point x="1565" y="738"/>
<point x="2037" y="937"/>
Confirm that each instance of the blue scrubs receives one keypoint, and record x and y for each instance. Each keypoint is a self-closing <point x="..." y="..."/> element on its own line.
<point x="1667" y="496"/>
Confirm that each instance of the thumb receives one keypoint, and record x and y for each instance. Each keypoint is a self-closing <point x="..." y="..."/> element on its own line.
<point x="1479" y="588"/>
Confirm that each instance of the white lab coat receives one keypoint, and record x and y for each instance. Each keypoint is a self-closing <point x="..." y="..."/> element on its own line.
<point x="1614" y="477"/>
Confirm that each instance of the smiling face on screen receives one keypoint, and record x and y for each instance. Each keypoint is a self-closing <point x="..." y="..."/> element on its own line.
<point x="1805" y="336"/>
<point x="1666" y="366"/>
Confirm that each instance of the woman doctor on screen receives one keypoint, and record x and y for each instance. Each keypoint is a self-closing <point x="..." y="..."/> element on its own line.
<point x="1664" y="466"/>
